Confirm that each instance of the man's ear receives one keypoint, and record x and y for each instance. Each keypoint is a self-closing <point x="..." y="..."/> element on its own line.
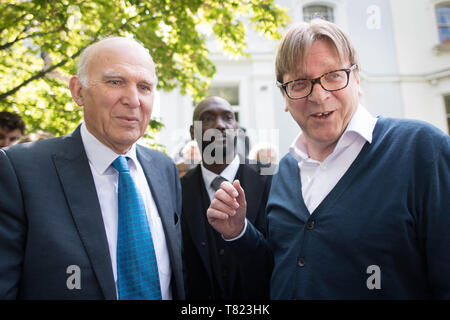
<point x="191" y="130"/>
<point x="75" y="89"/>
<point x="357" y="80"/>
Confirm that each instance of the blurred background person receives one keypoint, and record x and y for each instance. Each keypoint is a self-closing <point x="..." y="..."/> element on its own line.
<point x="188" y="157"/>
<point x="265" y="153"/>
<point x="12" y="128"/>
<point x="35" y="136"/>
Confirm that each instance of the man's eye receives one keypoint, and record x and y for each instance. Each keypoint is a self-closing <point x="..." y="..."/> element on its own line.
<point x="298" y="85"/>
<point x="207" y="118"/>
<point x="114" y="82"/>
<point x="333" y="76"/>
<point x="146" y="88"/>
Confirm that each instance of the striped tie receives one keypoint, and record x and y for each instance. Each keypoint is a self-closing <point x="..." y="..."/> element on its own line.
<point x="215" y="184"/>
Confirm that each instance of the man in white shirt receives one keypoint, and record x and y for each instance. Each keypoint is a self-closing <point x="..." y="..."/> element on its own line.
<point x="359" y="207"/>
<point x="212" y="270"/>
<point x="59" y="205"/>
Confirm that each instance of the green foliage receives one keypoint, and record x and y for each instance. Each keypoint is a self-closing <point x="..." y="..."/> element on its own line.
<point x="41" y="39"/>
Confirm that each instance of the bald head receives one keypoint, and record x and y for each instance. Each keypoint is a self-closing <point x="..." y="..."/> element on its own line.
<point x="207" y="102"/>
<point x="109" y="43"/>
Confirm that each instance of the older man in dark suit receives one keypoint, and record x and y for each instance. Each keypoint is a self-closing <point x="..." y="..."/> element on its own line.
<point x="212" y="270"/>
<point x="69" y="206"/>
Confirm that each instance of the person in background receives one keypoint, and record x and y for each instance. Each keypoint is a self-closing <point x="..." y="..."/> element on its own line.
<point x="359" y="208"/>
<point x="35" y="136"/>
<point x="189" y="157"/>
<point x="212" y="270"/>
<point x="12" y="128"/>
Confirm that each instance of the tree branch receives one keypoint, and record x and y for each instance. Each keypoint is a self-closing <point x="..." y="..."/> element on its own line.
<point x="42" y="73"/>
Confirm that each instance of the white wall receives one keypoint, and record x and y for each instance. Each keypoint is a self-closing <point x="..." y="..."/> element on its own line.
<point x="401" y="73"/>
<point x="424" y="72"/>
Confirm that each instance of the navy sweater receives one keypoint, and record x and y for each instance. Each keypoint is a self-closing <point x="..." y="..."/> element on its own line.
<point x="390" y="213"/>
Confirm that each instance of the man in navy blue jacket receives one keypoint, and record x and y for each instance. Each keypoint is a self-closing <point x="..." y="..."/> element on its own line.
<point x="360" y="207"/>
<point x="59" y="198"/>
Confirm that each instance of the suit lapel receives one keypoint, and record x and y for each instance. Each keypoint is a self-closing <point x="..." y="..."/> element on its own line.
<point x="78" y="185"/>
<point x="197" y="204"/>
<point x="253" y="187"/>
<point x="158" y="188"/>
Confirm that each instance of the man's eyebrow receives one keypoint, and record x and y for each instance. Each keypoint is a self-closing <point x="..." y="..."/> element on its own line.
<point x="148" y="82"/>
<point x="108" y="75"/>
<point x="112" y="75"/>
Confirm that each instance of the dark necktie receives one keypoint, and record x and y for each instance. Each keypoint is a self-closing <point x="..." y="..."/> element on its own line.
<point x="137" y="269"/>
<point x="215" y="184"/>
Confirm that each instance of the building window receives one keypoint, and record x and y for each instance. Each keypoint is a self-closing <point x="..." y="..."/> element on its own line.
<point x="229" y="93"/>
<point x="443" y="22"/>
<point x="318" y="11"/>
<point x="447" y="108"/>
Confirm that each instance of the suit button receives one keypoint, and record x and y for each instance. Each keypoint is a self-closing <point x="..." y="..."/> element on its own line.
<point x="310" y="225"/>
<point x="203" y="243"/>
<point x="221" y="252"/>
<point x="301" y="262"/>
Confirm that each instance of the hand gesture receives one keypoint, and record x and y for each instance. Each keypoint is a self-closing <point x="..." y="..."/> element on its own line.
<point x="227" y="211"/>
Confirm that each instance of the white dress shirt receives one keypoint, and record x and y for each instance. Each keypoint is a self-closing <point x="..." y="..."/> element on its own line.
<point x="106" y="183"/>
<point x="228" y="173"/>
<point x="319" y="178"/>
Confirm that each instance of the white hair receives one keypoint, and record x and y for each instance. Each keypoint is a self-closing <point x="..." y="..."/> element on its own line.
<point x="82" y="67"/>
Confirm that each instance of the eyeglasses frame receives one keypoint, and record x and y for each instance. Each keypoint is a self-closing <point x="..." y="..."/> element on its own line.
<point x="317" y="80"/>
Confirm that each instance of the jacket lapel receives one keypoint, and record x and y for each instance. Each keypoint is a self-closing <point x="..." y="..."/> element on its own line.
<point x="197" y="204"/>
<point x="78" y="185"/>
<point x="159" y="191"/>
<point x="254" y="189"/>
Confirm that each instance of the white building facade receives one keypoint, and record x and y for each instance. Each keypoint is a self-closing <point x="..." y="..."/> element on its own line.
<point x="404" y="49"/>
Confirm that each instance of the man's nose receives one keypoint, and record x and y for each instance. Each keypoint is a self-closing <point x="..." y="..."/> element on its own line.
<point x="130" y="96"/>
<point x="318" y="93"/>
<point x="220" y="123"/>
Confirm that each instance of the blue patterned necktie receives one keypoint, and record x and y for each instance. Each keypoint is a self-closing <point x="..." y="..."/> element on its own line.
<point x="137" y="270"/>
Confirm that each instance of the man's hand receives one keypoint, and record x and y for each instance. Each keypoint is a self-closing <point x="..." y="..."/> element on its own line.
<point x="227" y="211"/>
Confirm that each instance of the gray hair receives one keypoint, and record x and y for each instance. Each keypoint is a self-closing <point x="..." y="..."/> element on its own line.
<point x="82" y="66"/>
<point x="295" y="45"/>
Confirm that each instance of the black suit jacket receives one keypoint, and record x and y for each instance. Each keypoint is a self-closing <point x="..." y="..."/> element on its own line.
<point x="50" y="219"/>
<point x="198" y="270"/>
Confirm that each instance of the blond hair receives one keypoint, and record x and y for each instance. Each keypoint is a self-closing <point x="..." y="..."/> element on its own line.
<point x="295" y="45"/>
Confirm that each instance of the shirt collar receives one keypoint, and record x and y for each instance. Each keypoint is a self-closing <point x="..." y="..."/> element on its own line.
<point x="228" y="173"/>
<point x="361" y="124"/>
<point x="99" y="155"/>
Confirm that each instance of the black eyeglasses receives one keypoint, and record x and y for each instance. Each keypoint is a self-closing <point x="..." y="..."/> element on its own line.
<point x="330" y="81"/>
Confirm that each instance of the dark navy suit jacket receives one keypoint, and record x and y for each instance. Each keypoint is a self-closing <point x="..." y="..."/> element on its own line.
<point x="50" y="219"/>
<point x="251" y="281"/>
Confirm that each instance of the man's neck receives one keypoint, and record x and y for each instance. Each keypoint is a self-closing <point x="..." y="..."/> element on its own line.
<point x="320" y="152"/>
<point x="217" y="168"/>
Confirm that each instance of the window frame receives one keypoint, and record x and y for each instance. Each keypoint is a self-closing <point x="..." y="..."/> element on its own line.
<point x="330" y="8"/>
<point x="440" y="25"/>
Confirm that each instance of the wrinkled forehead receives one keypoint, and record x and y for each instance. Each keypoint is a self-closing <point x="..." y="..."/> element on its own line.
<point x="120" y="52"/>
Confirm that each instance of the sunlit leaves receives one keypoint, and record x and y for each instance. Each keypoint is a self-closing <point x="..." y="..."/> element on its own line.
<point x="40" y="41"/>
